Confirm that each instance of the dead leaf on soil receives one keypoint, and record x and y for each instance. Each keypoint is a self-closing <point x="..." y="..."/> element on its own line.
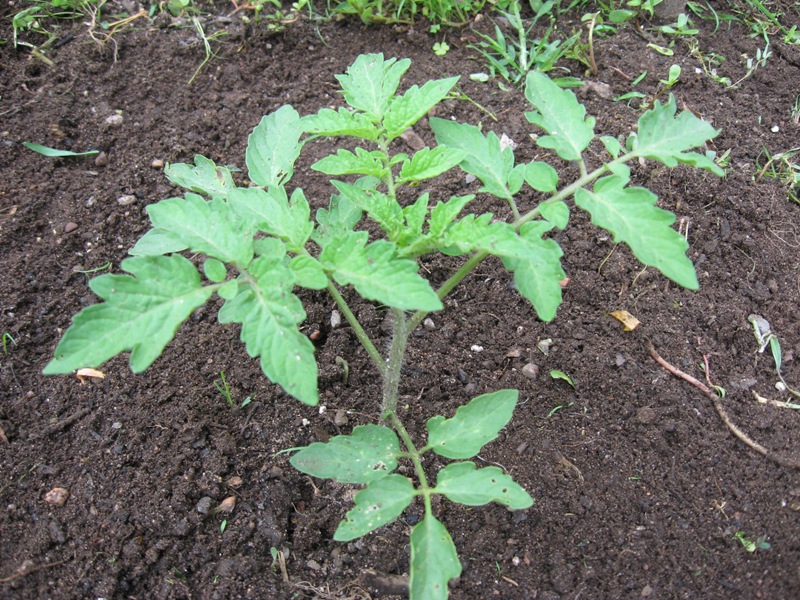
<point x="629" y="322"/>
<point x="92" y="374"/>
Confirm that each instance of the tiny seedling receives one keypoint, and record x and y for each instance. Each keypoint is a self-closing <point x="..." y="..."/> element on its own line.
<point x="751" y="545"/>
<point x="673" y="77"/>
<point x="441" y="48"/>
<point x="6" y="338"/>
<point x="258" y="244"/>
<point x="224" y="389"/>
<point x="682" y="27"/>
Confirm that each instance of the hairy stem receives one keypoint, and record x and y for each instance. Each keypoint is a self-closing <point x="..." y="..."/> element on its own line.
<point x="397" y="352"/>
<point x="362" y="336"/>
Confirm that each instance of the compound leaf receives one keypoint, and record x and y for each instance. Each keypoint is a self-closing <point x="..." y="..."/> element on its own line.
<point x="429" y="163"/>
<point x="379" y="503"/>
<point x="404" y="111"/>
<point x="204" y="178"/>
<point x="560" y="114"/>
<point x="273" y="146"/>
<point x="141" y="313"/>
<point x="664" y="137"/>
<point x="377" y="273"/>
<point x="273" y="212"/>
<point x="345" y="162"/>
<point x="204" y="226"/>
<point x="485" y="158"/>
<point x="630" y="214"/>
<point x="366" y="455"/>
<point x="331" y="122"/>
<point x="537" y="276"/>
<point x="461" y="482"/>
<point x="371" y="81"/>
<point x="473" y="426"/>
<point x="269" y="313"/>
<point x="434" y="560"/>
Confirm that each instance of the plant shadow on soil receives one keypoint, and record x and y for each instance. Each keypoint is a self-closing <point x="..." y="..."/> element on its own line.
<point x="639" y="486"/>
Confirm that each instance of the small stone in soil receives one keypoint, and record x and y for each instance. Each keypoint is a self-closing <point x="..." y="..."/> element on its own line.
<point x="70" y="227"/>
<point x="531" y="371"/>
<point x="204" y="505"/>
<point x="429" y="324"/>
<point x="114" y="121"/>
<point x="57" y="496"/>
<point x="101" y="160"/>
<point x="126" y="199"/>
<point x="157" y="163"/>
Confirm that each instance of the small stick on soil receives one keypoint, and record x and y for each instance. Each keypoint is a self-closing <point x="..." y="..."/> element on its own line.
<point x="777" y="458"/>
<point x="56" y="427"/>
<point x="27" y="567"/>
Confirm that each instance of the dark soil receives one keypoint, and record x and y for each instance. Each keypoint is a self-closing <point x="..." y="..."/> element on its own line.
<point x="639" y="485"/>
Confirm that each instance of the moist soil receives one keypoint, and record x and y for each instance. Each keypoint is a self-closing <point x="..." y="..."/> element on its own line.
<point x="640" y="486"/>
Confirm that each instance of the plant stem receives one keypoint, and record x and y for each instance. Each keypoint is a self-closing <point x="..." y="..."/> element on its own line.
<point x="362" y="336"/>
<point x="397" y="352"/>
<point x="415" y="456"/>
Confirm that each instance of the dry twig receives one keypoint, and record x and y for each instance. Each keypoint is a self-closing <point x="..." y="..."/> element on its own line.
<point x="777" y="458"/>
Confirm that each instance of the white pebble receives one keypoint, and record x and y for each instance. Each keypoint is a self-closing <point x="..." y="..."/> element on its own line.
<point x="476" y="348"/>
<point x="114" y="121"/>
<point x="125" y="200"/>
<point x="336" y="319"/>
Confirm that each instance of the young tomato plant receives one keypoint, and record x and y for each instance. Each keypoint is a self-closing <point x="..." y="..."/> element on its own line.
<point x="259" y="244"/>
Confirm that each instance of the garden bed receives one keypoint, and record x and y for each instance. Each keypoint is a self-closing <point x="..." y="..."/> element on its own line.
<point x="640" y="487"/>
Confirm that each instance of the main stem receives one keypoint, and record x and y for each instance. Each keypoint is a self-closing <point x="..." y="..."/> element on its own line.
<point x="394" y="363"/>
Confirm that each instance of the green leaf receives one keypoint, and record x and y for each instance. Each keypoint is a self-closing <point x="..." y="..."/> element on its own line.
<point x="462" y="483"/>
<point x="272" y="212"/>
<point x="309" y="272"/>
<point x="541" y="177"/>
<point x="366" y="455"/>
<point x="484" y="157"/>
<point x="406" y="110"/>
<point x="331" y="122"/>
<point x="55" y="153"/>
<point x="555" y="212"/>
<point x="157" y="242"/>
<point x="560" y="114"/>
<point x="630" y="214"/>
<point x="379" y="503"/>
<point x="273" y="146"/>
<point x="664" y="137"/>
<point x="228" y="290"/>
<point x="444" y="213"/>
<point x="473" y="426"/>
<point x="269" y="314"/>
<point x="371" y="81"/>
<point x="427" y="164"/>
<point x="381" y="208"/>
<point x="340" y="217"/>
<point x="434" y="560"/>
<point x="204" y="226"/>
<point x="377" y="273"/>
<point x="414" y="215"/>
<point x="215" y="270"/>
<point x="556" y="374"/>
<point x="345" y="162"/>
<point x="612" y="145"/>
<point x="498" y="238"/>
<point x="204" y="178"/>
<point x="141" y="313"/>
<point x="537" y="276"/>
